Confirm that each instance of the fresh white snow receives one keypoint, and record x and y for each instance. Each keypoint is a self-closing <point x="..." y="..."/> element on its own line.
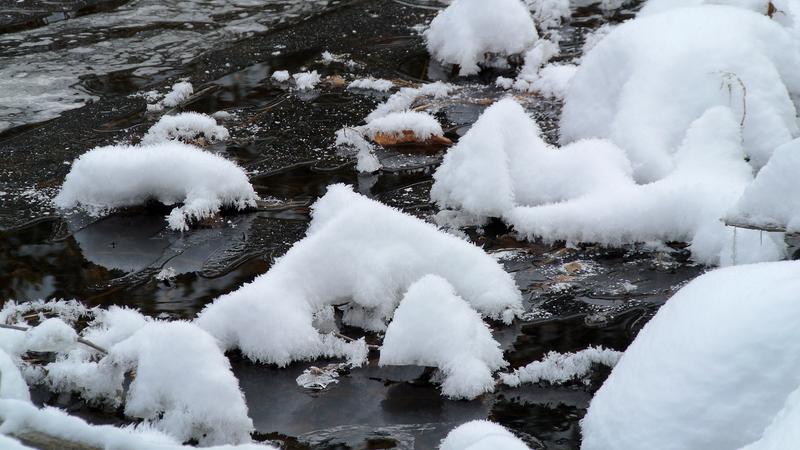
<point x="179" y="93"/>
<point x="186" y="127"/>
<point x="481" y="435"/>
<point x="713" y="369"/>
<point x="559" y="368"/>
<point x="108" y="178"/>
<point x="469" y="29"/>
<point x="434" y="327"/>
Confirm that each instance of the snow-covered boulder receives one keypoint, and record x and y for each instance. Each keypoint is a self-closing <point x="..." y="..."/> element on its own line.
<point x="481" y="435"/>
<point x="716" y="368"/>
<point x="502" y="162"/>
<point x="113" y="177"/>
<point x="467" y="30"/>
<point x="774" y="196"/>
<point x="645" y="82"/>
<point x="188" y="127"/>
<point x="184" y="385"/>
<point x="709" y="176"/>
<point x="359" y="252"/>
<point x="434" y="327"/>
<point x="423" y="125"/>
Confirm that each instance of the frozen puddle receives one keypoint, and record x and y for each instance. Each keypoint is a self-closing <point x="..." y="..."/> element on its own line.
<point x="41" y="70"/>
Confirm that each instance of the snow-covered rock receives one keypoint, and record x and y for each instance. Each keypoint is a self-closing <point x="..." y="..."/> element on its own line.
<point x="774" y="196"/>
<point x="360" y="252"/>
<point x="423" y="125"/>
<point x="481" y="435"/>
<point x="434" y="327"/>
<point x="717" y="367"/>
<point x="187" y="127"/>
<point x="646" y="81"/>
<point x="469" y="29"/>
<point x="184" y="385"/>
<point x="709" y="176"/>
<point x="113" y="177"/>
<point x="502" y="162"/>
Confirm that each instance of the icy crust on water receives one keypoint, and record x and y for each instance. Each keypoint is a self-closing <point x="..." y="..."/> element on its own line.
<point x="467" y="30"/>
<point x="187" y="127"/>
<point x="434" y="327"/>
<point x="649" y="78"/>
<point x="361" y="253"/>
<point x="481" y="435"/>
<point x="113" y="177"/>
<point x="683" y="384"/>
<point x="774" y="196"/>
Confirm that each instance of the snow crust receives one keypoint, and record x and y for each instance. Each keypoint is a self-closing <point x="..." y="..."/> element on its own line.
<point x="645" y="82"/>
<point x="186" y="127"/>
<point x="113" y="177"/>
<point x="684" y="384"/>
<point x="467" y="30"/>
<point x="359" y="252"/>
<point x="434" y="327"/>
<point x="481" y="435"/>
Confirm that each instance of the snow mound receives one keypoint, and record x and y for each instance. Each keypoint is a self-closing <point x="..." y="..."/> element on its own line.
<point x="645" y="82"/>
<point x="379" y="85"/>
<point x="187" y="127"/>
<point x="183" y="385"/>
<point x="774" y="196"/>
<point x="553" y="80"/>
<point x="709" y="176"/>
<point x="113" y="177"/>
<point x="559" y="368"/>
<point x="469" y="29"/>
<point x="481" y="435"/>
<point x="360" y="252"/>
<point x="713" y="369"/>
<point x="659" y="6"/>
<point x="22" y="417"/>
<point x="423" y="125"/>
<point x="52" y="335"/>
<point x="179" y="93"/>
<point x="502" y="162"/>
<point x="434" y="327"/>
<point x="306" y="80"/>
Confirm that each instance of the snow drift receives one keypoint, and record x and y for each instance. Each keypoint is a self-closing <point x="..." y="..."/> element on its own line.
<point x="714" y="368"/>
<point x="364" y="255"/>
<point x="113" y="177"/>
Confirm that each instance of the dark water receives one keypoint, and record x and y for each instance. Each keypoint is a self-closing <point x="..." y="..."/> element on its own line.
<point x="575" y="297"/>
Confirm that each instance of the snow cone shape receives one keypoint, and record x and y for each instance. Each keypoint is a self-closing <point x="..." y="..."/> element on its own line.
<point x="183" y="385"/>
<point x="357" y="251"/>
<point x="434" y="327"/>
<point x="481" y="435"/>
<point x="468" y="30"/>
<point x="188" y="127"/>
<point x="113" y="177"/>
<point x="502" y="162"/>
<point x="649" y="78"/>
<point x="714" y="368"/>
<point x="774" y="196"/>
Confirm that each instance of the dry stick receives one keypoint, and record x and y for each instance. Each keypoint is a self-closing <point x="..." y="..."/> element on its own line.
<point x="80" y="339"/>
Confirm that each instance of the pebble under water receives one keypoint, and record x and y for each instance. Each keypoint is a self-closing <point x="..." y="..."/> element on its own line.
<point x="95" y="67"/>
